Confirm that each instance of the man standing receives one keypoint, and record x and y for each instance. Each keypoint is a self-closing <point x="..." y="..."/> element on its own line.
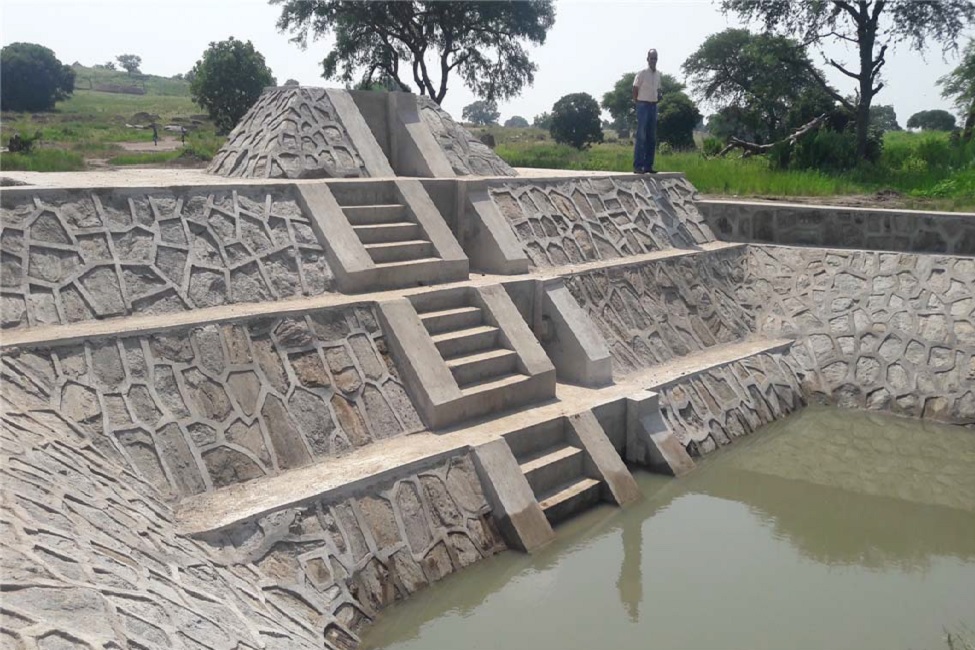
<point x="646" y="94"/>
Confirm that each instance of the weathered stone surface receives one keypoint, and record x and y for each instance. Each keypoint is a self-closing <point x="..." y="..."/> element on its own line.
<point x="78" y="279"/>
<point x="467" y="155"/>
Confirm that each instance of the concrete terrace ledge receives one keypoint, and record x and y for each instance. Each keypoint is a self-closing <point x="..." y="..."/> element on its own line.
<point x="400" y="456"/>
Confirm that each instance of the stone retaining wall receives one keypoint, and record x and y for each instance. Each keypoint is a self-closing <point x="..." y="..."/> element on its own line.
<point x="342" y="561"/>
<point x="72" y="255"/>
<point x="559" y="222"/>
<point x="653" y="312"/>
<point x="717" y="406"/>
<point x="837" y="227"/>
<point x="196" y="409"/>
<point x="467" y="155"/>
<point x="882" y="331"/>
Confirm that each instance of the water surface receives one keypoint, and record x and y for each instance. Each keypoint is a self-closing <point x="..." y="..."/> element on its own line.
<point x="829" y="529"/>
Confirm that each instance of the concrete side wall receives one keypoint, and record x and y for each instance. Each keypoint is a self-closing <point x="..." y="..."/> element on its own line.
<point x="716" y="406"/>
<point x="466" y="155"/>
<point x="92" y="558"/>
<point x="348" y="558"/>
<point x="655" y="311"/>
<point x="883" y="331"/>
<point x="74" y="255"/>
<point x="563" y="221"/>
<point x="837" y="227"/>
<point x="197" y="409"/>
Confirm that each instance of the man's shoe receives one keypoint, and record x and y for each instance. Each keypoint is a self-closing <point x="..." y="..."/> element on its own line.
<point x="650" y="171"/>
<point x="637" y="170"/>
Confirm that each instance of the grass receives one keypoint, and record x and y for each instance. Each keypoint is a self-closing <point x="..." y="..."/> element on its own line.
<point x="923" y="167"/>
<point x="145" y="157"/>
<point x="42" y="160"/>
<point x="87" y="78"/>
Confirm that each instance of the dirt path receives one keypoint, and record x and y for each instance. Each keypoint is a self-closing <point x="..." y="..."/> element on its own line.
<point x="166" y="143"/>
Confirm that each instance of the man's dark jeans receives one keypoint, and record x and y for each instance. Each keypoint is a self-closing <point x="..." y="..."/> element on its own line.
<point x="645" y="147"/>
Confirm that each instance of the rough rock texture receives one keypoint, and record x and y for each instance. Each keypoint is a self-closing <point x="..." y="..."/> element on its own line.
<point x="714" y="407"/>
<point x="91" y="557"/>
<point x="70" y="256"/>
<point x="882" y="331"/>
<point x="196" y="409"/>
<point x="468" y="156"/>
<point x="833" y="227"/>
<point x="586" y="219"/>
<point x="290" y="132"/>
<point x="345" y="560"/>
<point x="653" y="312"/>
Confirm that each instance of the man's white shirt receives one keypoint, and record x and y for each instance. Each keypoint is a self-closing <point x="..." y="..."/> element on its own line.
<point x="647" y="82"/>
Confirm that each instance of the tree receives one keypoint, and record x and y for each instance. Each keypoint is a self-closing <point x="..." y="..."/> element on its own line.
<point x="129" y="62"/>
<point x="883" y="118"/>
<point x="483" y="43"/>
<point x="619" y="101"/>
<point x="868" y="25"/>
<point x="542" y="120"/>
<point x="291" y="82"/>
<point x="228" y="80"/>
<point x="934" y="120"/>
<point x="575" y="121"/>
<point x="481" y="112"/>
<point x="32" y="78"/>
<point x="516" y="121"/>
<point x="108" y="65"/>
<point x="959" y="85"/>
<point x="676" y="118"/>
<point x="765" y="78"/>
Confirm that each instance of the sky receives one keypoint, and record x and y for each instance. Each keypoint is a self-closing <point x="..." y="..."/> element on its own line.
<point x="590" y="47"/>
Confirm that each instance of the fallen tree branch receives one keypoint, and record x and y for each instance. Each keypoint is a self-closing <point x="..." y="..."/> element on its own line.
<point x="750" y="148"/>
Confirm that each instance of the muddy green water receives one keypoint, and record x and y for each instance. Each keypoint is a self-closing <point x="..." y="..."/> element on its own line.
<point x="830" y="529"/>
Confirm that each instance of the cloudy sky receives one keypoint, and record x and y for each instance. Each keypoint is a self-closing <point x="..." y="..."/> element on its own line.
<point x="590" y="47"/>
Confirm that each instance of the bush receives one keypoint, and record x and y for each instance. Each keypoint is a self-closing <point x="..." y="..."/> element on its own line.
<point x="516" y="121"/>
<point x="711" y="146"/>
<point x="575" y="121"/>
<point x="228" y="80"/>
<point x="826" y="150"/>
<point x="32" y="78"/>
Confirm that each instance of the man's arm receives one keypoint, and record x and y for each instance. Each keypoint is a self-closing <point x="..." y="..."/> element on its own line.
<point x="636" y="92"/>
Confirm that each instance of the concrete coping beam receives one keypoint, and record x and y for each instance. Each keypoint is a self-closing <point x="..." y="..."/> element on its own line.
<point x="373" y="158"/>
<point x="487" y="236"/>
<point x="572" y="341"/>
<point x="649" y="441"/>
<point x="516" y="333"/>
<point x="426" y="214"/>
<point x="602" y="461"/>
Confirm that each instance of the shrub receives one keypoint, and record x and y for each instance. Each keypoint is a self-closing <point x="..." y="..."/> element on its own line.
<point x="32" y="78"/>
<point x="575" y="121"/>
<point x="516" y="121"/>
<point x="228" y="80"/>
<point x="711" y="146"/>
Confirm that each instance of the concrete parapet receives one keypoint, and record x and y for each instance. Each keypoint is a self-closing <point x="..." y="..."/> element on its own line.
<point x="520" y="519"/>
<point x="790" y="224"/>
<point x="649" y="441"/>
<point x="487" y="237"/>
<point x="573" y="343"/>
<point x="601" y="460"/>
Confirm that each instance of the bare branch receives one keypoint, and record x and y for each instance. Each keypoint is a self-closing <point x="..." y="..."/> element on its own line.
<point x="839" y="67"/>
<point x="750" y="148"/>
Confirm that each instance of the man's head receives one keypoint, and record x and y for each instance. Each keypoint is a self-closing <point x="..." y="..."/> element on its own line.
<point x="652" y="59"/>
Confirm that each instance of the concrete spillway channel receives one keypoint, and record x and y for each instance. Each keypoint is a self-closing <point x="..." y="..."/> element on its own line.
<point x="260" y="404"/>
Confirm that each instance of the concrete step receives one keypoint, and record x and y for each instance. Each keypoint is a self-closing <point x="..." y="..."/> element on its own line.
<point x="503" y="384"/>
<point x="364" y="193"/>
<point x="381" y="233"/>
<point x="400" y="251"/>
<point x="364" y="215"/>
<point x="425" y="303"/>
<point x="563" y="501"/>
<point x="466" y="341"/>
<point x="528" y="442"/>
<point x="554" y="466"/>
<point x="456" y="318"/>
<point x="479" y="366"/>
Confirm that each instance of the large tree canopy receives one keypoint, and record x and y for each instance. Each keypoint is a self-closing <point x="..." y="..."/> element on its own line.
<point x="575" y="121"/>
<point x="933" y="120"/>
<point x="872" y="26"/>
<point x="481" y="112"/>
<point x="959" y="85"/>
<point x="228" y="80"/>
<point x="619" y="101"/>
<point x="762" y="84"/>
<point x="425" y="42"/>
<point x="32" y="78"/>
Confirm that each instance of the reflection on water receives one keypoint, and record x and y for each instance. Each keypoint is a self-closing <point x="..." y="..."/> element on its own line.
<point x="831" y="529"/>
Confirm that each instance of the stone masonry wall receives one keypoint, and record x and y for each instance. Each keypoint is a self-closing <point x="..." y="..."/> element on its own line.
<point x="69" y="256"/>
<point x="344" y="560"/>
<point x="91" y="558"/>
<point x="833" y="227"/>
<point x="714" y="407"/>
<point x="468" y="156"/>
<point x="883" y="331"/>
<point x="577" y="220"/>
<point x="656" y="311"/>
<point x="290" y="132"/>
<point x="196" y="409"/>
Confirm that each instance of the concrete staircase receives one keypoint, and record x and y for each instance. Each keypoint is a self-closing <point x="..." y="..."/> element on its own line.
<point x="555" y="469"/>
<point x="470" y="352"/>
<point x="384" y="235"/>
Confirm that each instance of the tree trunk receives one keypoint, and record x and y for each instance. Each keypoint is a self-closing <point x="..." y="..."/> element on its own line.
<point x="969" y="131"/>
<point x="866" y="39"/>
